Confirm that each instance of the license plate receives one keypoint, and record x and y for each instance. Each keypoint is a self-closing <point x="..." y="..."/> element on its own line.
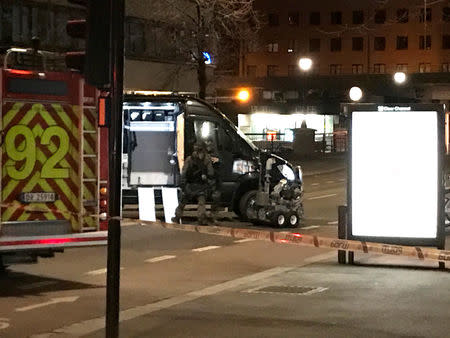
<point x="35" y="197"/>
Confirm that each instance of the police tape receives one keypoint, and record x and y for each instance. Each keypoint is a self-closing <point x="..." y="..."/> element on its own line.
<point x="420" y="253"/>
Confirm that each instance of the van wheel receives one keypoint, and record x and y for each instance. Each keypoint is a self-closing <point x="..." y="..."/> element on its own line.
<point x="246" y="204"/>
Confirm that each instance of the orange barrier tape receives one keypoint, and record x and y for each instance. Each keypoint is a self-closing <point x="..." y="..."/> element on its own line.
<point x="420" y="253"/>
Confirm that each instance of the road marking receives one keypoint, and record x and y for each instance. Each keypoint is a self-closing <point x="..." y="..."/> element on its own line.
<point x="37" y="285"/>
<point x="89" y="326"/>
<point x="329" y="182"/>
<point x="99" y="271"/>
<point x="310" y="227"/>
<point x="4" y="323"/>
<point x="159" y="259"/>
<point x="315" y="184"/>
<point x="245" y="240"/>
<point x="333" y="222"/>
<point x="342" y="179"/>
<point x="50" y="302"/>
<point x="92" y="325"/>
<point x="322" y="196"/>
<point x="206" y="248"/>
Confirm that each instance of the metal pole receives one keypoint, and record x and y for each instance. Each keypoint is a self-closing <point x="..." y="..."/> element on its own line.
<point x="115" y="162"/>
<point x="342" y="231"/>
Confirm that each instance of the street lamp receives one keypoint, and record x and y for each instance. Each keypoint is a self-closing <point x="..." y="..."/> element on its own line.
<point x="399" y="77"/>
<point x="355" y="94"/>
<point x="243" y="95"/>
<point x="305" y="64"/>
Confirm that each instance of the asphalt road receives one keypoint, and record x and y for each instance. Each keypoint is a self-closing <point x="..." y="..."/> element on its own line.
<point x="182" y="284"/>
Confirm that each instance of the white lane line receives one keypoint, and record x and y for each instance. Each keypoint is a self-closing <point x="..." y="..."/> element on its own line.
<point x="329" y="182"/>
<point x="310" y="227"/>
<point x="37" y="285"/>
<point x="92" y="325"/>
<point x="206" y="248"/>
<point x="322" y="196"/>
<point x="50" y="302"/>
<point x="333" y="222"/>
<point x="315" y="184"/>
<point x="245" y="240"/>
<point x="159" y="259"/>
<point x="98" y="272"/>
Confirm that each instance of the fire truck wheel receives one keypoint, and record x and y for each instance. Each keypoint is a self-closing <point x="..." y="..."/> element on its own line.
<point x="293" y="219"/>
<point x="280" y="219"/>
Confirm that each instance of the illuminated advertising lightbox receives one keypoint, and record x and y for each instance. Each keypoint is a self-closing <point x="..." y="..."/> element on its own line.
<point x="395" y="178"/>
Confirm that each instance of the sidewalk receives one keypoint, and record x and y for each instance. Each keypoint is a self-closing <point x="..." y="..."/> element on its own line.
<point x="322" y="163"/>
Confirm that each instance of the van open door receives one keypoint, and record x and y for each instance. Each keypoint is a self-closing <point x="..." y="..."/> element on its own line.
<point x="152" y="144"/>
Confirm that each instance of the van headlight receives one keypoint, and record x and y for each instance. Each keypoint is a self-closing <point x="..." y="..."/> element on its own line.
<point x="243" y="167"/>
<point x="299" y="173"/>
<point x="287" y="172"/>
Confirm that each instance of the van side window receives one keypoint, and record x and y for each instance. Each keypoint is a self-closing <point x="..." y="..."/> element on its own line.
<point x="207" y="132"/>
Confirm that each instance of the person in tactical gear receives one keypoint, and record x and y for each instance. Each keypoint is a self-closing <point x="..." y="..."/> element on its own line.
<point x="214" y="188"/>
<point x="197" y="176"/>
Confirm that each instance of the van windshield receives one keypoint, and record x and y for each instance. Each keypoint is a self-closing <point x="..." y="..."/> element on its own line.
<point x="239" y="132"/>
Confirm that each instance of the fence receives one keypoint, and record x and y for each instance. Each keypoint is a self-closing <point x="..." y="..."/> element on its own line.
<point x="324" y="142"/>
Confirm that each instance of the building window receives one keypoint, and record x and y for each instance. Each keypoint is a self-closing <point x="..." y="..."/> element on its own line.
<point x="445" y="67"/>
<point x="335" y="69"/>
<point x="357" y="44"/>
<point x="424" y="67"/>
<point x="380" y="16"/>
<point x="379" y="68"/>
<point x="402" y="67"/>
<point x="293" y="18"/>
<point x="358" y="17"/>
<point x="357" y="68"/>
<point x="402" y="42"/>
<point x="379" y="43"/>
<point x="314" y="18"/>
<point x="446" y="42"/>
<point x="336" y="18"/>
<point x="314" y="45"/>
<point x="272" y="70"/>
<point x="272" y="47"/>
<point x="335" y="44"/>
<point x="422" y="13"/>
<point x="292" y="46"/>
<point x="134" y="36"/>
<point x="292" y="70"/>
<point x="425" y="43"/>
<point x="251" y="71"/>
<point x="273" y="19"/>
<point x="446" y="14"/>
<point x="402" y="15"/>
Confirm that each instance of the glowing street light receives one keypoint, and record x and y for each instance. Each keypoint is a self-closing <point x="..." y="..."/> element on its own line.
<point x="399" y="77"/>
<point x="305" y="64"/>
<point x="355" y="94"/>
<point x="243" y="95"/>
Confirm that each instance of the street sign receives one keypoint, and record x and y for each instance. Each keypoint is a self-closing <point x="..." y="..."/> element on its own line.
<point x="395" y="191"/>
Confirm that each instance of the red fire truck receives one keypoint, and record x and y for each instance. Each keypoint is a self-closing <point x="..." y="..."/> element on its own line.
<point x="54" y="161"/>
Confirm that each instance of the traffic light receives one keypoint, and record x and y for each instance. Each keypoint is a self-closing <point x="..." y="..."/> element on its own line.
<point x="95" y="61"/>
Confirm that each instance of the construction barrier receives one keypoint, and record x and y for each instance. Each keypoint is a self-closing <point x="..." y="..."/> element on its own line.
<point x="420" y="253"/>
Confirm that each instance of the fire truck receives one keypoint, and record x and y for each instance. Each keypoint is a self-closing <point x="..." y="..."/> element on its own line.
<point x="54" y="160"/>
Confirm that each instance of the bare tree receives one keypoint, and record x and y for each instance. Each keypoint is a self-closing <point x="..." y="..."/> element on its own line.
<point x="207" y="25"/>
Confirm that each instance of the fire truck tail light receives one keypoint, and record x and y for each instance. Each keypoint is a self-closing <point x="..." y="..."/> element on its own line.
<point x="103" y="190"/>
<point x="103" y="216"/>
<point x="103" y="203"/>
<point x="20" y="72"/>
